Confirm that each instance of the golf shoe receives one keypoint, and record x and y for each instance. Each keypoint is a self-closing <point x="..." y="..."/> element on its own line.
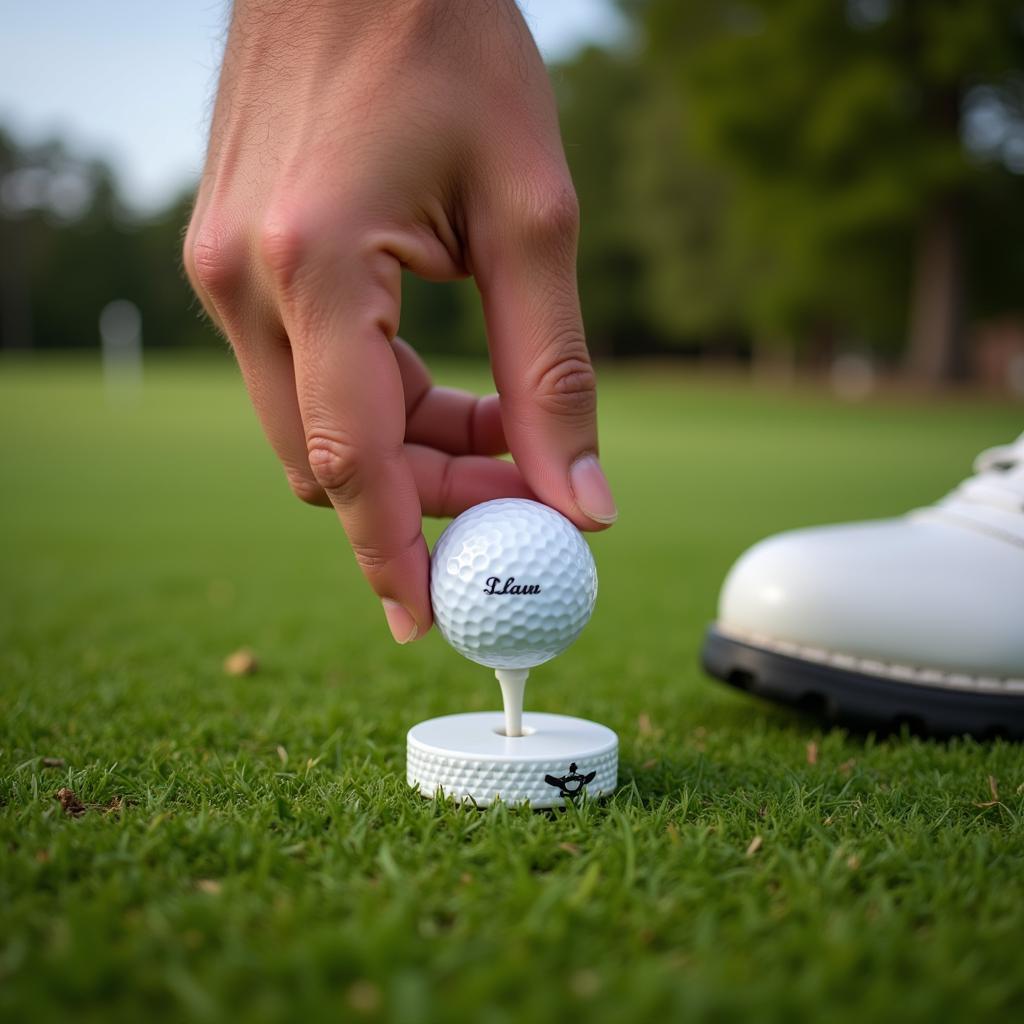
<point x="915" y="621"/>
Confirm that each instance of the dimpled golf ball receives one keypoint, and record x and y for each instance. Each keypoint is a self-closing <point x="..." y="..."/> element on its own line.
<point x="512" y="583"/>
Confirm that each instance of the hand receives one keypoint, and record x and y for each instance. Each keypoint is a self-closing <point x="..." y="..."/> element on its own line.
<point x="350" y="140"/>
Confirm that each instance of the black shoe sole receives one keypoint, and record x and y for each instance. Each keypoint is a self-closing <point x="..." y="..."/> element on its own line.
<point x="857" y="699"/>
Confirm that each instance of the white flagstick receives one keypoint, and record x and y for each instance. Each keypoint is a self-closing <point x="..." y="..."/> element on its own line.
<point x="121" y="338"/>
<point x="513" y="685"/>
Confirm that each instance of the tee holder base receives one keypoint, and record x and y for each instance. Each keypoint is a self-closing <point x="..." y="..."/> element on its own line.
<point x="540" y="759"/>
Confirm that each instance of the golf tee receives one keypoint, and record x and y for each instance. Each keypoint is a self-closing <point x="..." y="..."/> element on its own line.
<point x="513" y="684"/>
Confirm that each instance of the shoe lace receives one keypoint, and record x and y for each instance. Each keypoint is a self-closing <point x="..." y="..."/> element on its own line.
<point x="998" y="478"/>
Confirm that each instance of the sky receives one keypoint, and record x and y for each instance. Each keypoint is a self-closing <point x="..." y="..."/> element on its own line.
<point x="132" y="80"/>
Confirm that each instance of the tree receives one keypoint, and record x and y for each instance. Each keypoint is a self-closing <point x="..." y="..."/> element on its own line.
<point x="68" y="246"/>
<point x="598" y="93"/>
<point x="843" y="131"/>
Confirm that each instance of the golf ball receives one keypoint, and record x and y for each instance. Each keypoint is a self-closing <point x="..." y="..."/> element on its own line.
<point x="512" y="583"/>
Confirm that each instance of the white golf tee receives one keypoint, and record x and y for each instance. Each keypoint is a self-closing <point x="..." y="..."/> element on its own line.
<point x="513" y="685"/>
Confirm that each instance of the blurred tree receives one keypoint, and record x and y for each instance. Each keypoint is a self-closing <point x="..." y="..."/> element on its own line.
<point x="15" y="304"/>
<point x="842" y="127"/>
<point x="68" y="246"/>
<point x="442" y="318"/>
<point x="692" y="286"/>
<point x="782" y="174"/>
<point x="655" y="271"/>
<point x="599" y="94"/>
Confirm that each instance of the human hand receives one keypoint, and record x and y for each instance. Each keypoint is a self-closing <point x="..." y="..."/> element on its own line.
<point x="350" y="140"/>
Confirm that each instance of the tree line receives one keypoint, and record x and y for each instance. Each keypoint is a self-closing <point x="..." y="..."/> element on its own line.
<point x="767" y="178"/>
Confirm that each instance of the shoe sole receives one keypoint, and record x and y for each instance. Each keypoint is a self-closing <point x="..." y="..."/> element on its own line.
<point x="857" y="699"/>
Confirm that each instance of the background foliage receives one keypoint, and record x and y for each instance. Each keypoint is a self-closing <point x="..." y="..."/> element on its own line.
<point x="791" y="175"/>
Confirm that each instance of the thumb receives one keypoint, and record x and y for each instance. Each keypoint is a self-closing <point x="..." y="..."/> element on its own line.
<point x="527" y="279"/>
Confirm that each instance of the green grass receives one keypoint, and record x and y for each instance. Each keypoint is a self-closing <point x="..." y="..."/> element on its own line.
<point x="268" y="861"/>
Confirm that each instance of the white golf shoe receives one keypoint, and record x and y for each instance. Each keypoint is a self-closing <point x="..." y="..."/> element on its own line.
<point x="916" y="621"/>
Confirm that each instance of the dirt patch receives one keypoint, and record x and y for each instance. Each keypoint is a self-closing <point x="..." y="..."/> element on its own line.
<point x="241" y="663"/>
<point x="74" y="808"/>
<point x="70" y="804"/>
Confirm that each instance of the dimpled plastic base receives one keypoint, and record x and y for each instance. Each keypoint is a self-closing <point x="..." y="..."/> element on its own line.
<point x="512" y="583"/>
<point x="469" y="758"/>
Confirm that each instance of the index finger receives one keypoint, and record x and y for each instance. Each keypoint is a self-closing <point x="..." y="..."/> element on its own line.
<point x="353" y="413"/>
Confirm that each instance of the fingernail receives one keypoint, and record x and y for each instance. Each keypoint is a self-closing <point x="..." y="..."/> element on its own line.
<point x="400" y="622"/>
<point x="591" y="490"/>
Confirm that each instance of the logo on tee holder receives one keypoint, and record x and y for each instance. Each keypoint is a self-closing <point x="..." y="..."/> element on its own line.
<point x="571" y="784"/>
<point x="496" y="585"/>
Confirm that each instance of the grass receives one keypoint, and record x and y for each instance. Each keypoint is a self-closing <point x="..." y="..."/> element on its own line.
<point x="250" y="849"/>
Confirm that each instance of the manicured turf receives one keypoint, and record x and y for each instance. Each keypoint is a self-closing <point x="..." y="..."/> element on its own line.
<point x="250" y="849"/>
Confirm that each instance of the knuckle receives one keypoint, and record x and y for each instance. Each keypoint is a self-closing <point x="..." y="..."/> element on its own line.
<point x="446" y="484"/>
<point x="551" y="216"/>
<point x="283" y="244"/>
<point x="567" y="387"/>
<point x="334" y="461"/>
<point x="305" y="488"/>
<point x="214" y="258"/>
<point x="294" y="230"/>
<point x="187" y="248"/>
<point x="373" y="559"/>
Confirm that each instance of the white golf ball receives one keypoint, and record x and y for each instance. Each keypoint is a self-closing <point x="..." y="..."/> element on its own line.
<point x="512" y="583"/>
